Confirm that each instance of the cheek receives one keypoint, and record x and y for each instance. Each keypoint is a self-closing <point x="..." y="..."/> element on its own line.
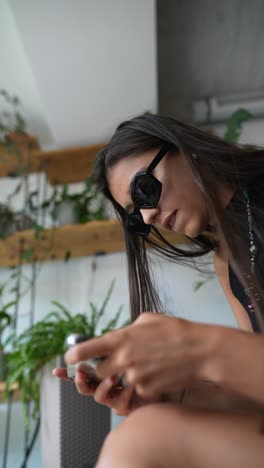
<point x="182" y="194"/>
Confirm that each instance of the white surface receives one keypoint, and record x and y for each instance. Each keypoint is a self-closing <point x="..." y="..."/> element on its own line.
<point x="50" y="420"/>
<point x="94" y="63"/>
<point x="17" y="76"/>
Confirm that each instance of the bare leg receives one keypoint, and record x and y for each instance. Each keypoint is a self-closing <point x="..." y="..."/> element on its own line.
<point x="169" y="436"/>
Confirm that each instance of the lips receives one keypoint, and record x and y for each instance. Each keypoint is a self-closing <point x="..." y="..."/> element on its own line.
<point x="170" y="220"/>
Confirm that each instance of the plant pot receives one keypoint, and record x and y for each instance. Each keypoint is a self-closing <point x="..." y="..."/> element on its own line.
<point x="73" y="427"/>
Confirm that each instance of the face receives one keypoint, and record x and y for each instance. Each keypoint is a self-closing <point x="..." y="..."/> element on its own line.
<point x="181" y="208"/>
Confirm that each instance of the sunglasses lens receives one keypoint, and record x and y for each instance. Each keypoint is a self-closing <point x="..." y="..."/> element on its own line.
<point x="135" y="224"/>
<point x="146" y="191"/>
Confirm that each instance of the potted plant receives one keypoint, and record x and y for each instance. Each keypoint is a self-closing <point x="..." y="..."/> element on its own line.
<point x="29" y="363"/>
<point x="45" y="340"/>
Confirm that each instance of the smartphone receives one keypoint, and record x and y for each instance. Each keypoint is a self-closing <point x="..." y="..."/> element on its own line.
<point x="88" y="366"/>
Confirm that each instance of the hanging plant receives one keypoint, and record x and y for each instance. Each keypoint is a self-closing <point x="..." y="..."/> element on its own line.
<point x="65" y="207"/>
<point x="6" y="320"/>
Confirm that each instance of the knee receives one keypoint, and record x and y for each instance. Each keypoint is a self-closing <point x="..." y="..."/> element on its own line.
<point x="119" y="447"/>
<point x="137" y="439"/>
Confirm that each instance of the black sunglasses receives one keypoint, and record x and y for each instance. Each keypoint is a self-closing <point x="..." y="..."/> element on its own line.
<point x="145" y="193"/>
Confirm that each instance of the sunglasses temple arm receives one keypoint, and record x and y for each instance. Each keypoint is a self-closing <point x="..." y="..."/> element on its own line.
<point x="164" y="150"/>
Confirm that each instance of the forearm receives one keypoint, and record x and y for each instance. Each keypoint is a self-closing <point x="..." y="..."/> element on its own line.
<point x="208" y="395"/>
<point x="236" y="363"/>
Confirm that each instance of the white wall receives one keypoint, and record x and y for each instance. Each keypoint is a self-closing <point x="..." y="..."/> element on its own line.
<point x="17" y="77"/>
<point x="94" y="62"/>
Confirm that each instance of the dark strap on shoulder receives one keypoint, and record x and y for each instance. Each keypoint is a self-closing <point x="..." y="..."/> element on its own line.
<point x="243" y="298"/>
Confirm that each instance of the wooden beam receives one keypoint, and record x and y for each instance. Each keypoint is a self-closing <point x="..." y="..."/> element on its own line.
<point x="16" y="155"/>
<point x="80" y="240"/>
<point x="66" y="165"/>
<point x="14" y="389"/>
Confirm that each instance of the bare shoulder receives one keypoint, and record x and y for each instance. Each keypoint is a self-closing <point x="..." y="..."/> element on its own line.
<point x="221" y="262"/>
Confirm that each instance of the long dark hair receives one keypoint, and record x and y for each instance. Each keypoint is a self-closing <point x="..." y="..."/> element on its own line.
<point x="216" y="162"/>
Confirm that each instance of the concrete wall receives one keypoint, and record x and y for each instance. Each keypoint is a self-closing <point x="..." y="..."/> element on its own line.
<point x="207" y="48"/>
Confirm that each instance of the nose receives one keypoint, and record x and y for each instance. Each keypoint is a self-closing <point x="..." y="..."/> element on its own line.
<point x="149" y="215"/>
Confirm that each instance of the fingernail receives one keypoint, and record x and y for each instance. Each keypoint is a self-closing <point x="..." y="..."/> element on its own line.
<point x="109" y="381"/>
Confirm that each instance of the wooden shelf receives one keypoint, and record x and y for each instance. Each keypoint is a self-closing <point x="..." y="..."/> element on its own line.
<point x="66" y="165"/>
<point x="15" y="392"/>
<point x="80" y="239"/>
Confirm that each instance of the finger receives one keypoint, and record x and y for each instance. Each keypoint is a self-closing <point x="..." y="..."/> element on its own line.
<point x="103" y="389"/>
<point x="117" y="399"/>
<point x="61" y="372"/>
<point x="84" y="385"/>
<point x="125" y="404"/>
<point x="95" y="347"/>
<point x="122" y="403"/>
<point x="110" y="366"/>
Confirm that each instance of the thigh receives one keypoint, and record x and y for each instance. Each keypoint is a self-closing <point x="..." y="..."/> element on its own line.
<point x="167" y="435"/>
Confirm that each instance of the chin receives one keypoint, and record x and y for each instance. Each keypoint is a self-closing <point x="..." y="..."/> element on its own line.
<point x="193" y="231"/>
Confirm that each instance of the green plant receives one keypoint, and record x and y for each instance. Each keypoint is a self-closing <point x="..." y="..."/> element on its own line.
<point x="11" y="119"/>
<point x="14" y="141"/>
<point x="45" y="340"/>
<point x="88" y="205"/>
<point x="235" y="125"/>
<point x="5" y="320"/>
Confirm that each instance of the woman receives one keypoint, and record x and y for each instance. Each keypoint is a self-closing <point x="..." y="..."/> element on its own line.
<point x="194" y="393"/>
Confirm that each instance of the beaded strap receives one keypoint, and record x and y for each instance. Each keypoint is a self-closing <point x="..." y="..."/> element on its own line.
<point x="252" y="250"/>
<point x="252" y="246"/>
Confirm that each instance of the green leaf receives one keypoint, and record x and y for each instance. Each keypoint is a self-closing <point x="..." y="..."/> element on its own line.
<point x="63" y="309"/>
<point x="67" y="256"/>
<point x="198" y="285"/>
<point x="64" y="193"/>
<point x="112" y="323"/>
<point x="20" y="123"/>
<point x="234" y="125"/>
<point x="27" y="254"/>
<point x="37" y="230"/>
<point x="106" y="300"/>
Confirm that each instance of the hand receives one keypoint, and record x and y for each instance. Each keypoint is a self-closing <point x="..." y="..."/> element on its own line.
<point x="157" y="354"/>
<point x="121" y="401"/>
